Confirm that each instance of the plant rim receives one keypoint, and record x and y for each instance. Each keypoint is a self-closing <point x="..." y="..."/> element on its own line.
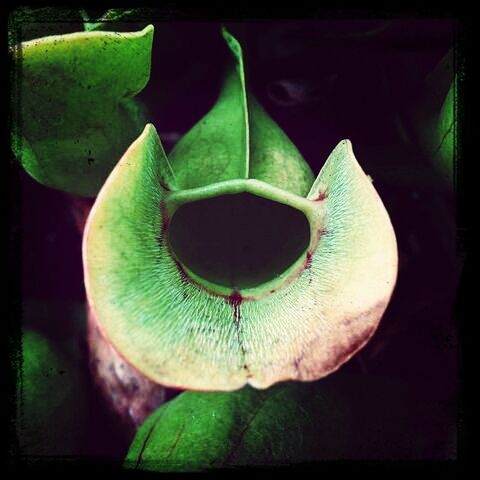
<point x="313" y="210"/>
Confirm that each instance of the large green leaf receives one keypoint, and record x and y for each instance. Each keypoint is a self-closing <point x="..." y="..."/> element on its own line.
<point x="73" y="108"/>
<point x="286" y="424"/>
<point x="227" y="264"/>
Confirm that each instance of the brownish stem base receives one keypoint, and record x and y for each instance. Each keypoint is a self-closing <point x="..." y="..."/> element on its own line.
<point x="131" y="395"/>
<point x="80" y="207"/>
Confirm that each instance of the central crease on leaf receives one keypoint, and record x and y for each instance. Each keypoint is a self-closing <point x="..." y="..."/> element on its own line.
<point x="238" y="241"/>
<point x="236" y="209"/>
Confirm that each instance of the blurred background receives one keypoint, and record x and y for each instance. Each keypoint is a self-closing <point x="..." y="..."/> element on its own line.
<point x="378" y="82"/>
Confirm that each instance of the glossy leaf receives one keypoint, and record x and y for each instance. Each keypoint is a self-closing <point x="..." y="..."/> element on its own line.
<point x="74" y="112"/>
<point x="284" y="425"/>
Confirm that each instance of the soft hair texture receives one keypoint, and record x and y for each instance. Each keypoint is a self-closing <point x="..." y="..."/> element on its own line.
<point x="179" y="334"/>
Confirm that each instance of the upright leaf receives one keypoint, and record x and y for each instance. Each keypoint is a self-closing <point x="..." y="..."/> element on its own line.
<point x="238" y="140"/>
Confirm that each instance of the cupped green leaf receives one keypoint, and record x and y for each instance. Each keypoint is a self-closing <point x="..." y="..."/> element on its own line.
<point x="73" y="106"/>
<point x="178" y="255"/>
<point x="283" y="425"/>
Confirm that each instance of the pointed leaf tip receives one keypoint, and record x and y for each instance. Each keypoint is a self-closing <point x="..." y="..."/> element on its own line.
<point x="233" y="44"/>
<point x="237" y="139"/>
<point x="178" y="333"/>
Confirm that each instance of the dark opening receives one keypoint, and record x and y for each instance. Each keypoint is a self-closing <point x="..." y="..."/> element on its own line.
<point x="240" y="240"/>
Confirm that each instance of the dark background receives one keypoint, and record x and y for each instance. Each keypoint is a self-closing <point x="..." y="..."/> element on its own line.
<point x="322" y="81"/>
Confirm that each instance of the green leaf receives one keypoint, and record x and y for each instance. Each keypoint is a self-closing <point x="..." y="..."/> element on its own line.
<point x="445" y="135"/>
<point x="51" y="409"/>
<point x="28" y="23"/>
<point x="74" y="115"/>
<point x="112" y="15"/>
<point x="286" y="424"/>
<point x="238" y="140"/>
<point x="435" y="119"/>
<point x="203" y="277"/>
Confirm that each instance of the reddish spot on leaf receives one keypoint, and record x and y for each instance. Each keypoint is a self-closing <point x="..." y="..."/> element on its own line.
<point x="165" y="219"/>
<point x="321" y="196"/>
<point x="235" y="300"/>
<point x="182" y="272"/>
<point x="308" y="260"/>
<point x="345" y="351"/>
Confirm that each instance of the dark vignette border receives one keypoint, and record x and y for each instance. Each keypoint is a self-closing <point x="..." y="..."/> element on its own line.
<point x="172" y="12"/>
